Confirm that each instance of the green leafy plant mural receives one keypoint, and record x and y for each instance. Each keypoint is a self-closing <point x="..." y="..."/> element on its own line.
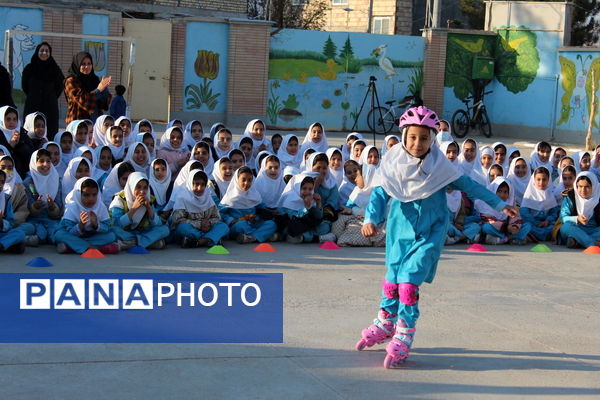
<point x="207" y="68"/>
<point x="273" y="105"/>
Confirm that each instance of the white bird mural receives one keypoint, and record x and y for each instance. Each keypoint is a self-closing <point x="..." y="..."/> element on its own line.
<point x="384" y="63"/>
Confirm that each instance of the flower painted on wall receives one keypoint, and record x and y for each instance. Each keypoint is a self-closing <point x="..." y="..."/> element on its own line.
<point x="96" y="50"/>
<point x="206" y="67"/>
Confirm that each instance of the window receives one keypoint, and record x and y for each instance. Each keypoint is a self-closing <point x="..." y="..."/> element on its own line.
<point x="381" y="25"/>
<point x="339" y="2"/>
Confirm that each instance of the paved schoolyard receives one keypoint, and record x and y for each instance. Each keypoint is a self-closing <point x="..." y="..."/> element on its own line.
<point x="507" y="324"/>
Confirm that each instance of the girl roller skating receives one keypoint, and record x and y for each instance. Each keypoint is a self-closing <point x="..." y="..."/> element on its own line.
<point x="415" y="176"/>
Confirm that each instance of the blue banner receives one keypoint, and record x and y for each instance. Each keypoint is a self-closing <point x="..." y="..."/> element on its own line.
<point x="141" y="308"/>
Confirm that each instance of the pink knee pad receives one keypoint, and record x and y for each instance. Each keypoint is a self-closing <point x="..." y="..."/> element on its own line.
<point x="409" y="293"/>
<point x="390" y="290"/>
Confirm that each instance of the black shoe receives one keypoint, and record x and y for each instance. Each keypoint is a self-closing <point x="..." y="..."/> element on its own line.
<point x="188" y="243"/>
<point x="18" y="248"/>
<point x="572" y="243"/>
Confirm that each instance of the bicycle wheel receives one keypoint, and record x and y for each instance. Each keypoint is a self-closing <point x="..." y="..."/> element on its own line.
<point x="485" y="126"/>
<point x="460" y="123"/>
<point x="384" y="120"/>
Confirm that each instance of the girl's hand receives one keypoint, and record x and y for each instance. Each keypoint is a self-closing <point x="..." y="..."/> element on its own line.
<point x="205" y="226"/>
<point x="369" y="230"/>
<point x="14" y="140"/>
<point x="581" y="219"/>
<point x="93" y="219"/>
<point x="317" y="199"/>
<point x="1" y="215"/>
<point x="138" y="202"/>
<point x="83" y="219"/>
<point x="39" y="203"/>
<point x="510" y="211"/>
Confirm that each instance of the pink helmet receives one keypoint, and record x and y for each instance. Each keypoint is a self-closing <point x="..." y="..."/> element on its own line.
<point x="422" y="116"/>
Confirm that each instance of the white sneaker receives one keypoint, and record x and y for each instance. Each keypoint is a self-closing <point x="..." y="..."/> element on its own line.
<point x="491" y="239"/>
<point x="294" y="239"/>
<point x="450" y="240"/>
<point x="328" y="237"/>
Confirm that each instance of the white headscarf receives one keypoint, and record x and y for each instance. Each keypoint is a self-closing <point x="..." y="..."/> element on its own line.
<point x="505" y="163"/>
<point x="255" y="142"/>
<point x="518" y="184"/>
<point x="222" y="153"/>
<point x="468" y="166"/>
<point x="454" y="200"/>
<point x="117" y="151"/>
<point x="45" y="185"/>
<point x="99" y="137"/>
<point x="132" y="181"/>
<point x="537" y="199"/>
<point x="83" y="149"/>
<point x="286" y="158"/>
<point x="290" y="197"/>
<point x="140" y="138"/>
<point x="359" y="196"/>
<point x="165" y="140"/>
<point x="364" y="156"/>
<point x="188" y="201"/>
<point x="188" y="140"/>
<point x="444" y="149"/>
<point x="270" y="189"/>
<point x="74" y="206"/>
<point x="479" y="173"/>
<point x="173" y="122"/>
<point x="338" y="174"/>
<point x="560" y="186"/>
<point x="73" y="126"/>
<point x="112" y="185"/>
<point x="29" y="124"/>
<point x="385" y="143"/>
<point x="235" y="197"/>
<point x="359" y="141"/>
<point x="11" y="179"/>
<point x="535" y="161"/>
<point x="577" y="159"/>
<point x="160" y="187"/>
<point x="8" y="132"/>
<point x="248" y="162"/>
<point x="127" y="140"/>
<point x="60" y="167"/>
<point x="183" y="173"/>
<point x="407" y="178"/>
<point x="586" y="207"/>
<point x="346" y="149"/>
<point x="136" y="129"/>
<point x="218" y="178"/>
<point x="64" y="157"/>
<point x="320" y="146"/>
<point x="4" y="150"/>
<point x="210" y="164"/>
<point x="484" y="209"/>
<point x="129" y="157"/>
<point x="329" y="180"/>
<point x="97" y="152"/>
<point x="69" y="178"/>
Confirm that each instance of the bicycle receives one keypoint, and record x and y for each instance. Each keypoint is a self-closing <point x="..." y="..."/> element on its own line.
<point x="386" y="118"/>
<point x="462" y="121"/>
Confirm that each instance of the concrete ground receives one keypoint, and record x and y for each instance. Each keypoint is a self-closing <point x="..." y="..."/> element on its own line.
<point x="506" y="324"/>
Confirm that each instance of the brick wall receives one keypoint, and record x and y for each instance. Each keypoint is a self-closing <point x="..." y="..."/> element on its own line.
<point x="357" y="20"/>
<point x="248" y="70"/>
<point x="115" y="52"/>
<point x="177" y="66"/>
<point x="404" y="17"/>
<point x="434" y="69"/>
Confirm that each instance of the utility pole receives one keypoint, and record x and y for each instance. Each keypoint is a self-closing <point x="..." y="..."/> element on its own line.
<point x="437" y="11"/>
<point x="370" y="22"/>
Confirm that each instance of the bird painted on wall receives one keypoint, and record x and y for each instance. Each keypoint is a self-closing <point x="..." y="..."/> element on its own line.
<point x="384" y="63"/>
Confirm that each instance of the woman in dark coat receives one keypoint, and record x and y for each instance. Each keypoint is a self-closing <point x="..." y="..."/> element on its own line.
<point x="5" y="88"/>
<point x="42" y="82"/>
<point x="84" y="90"/>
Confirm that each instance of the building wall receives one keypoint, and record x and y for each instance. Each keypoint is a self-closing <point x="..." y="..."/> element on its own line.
<point x="357" y="20"/>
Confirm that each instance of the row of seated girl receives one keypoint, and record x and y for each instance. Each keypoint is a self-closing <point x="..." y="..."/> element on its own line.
<point x="550" y="209"/>
<point x="40" y="198"/>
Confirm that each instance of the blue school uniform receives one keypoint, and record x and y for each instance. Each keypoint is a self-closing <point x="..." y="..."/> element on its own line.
<point x="45" y="220"/>
<point x="147" y="232"/>
<point x="69" y="233"/>
<point x="414" y="245"/>
<point x="536" y="217"/>
<point x="246" y="221"/>
<point x="585" y="235"/>
<point x="316" y="214"/>
<point x="9" y="236"/>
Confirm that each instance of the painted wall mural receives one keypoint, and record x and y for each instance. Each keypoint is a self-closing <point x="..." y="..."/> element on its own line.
<point x="324" y="76"/>
<point x="205" y="75"/>
<point x="579" y="75"/>
<point x="24" y="44"/>
<point x="96" y="24"/>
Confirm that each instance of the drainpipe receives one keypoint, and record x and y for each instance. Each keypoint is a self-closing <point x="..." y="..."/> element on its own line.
<point x="370" y="22"/>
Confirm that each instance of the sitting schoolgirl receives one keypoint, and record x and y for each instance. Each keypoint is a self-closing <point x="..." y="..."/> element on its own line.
<point x="139" y="157"/>
<point x="539" y="206"/>
<point x="114" y="140"/>
<point x="288" y="153"/>
<point x="222" y="174"/>
<point x="245" y="145"/>
<point x="315" y="138"/>
<point x="202" y="152"/>
<point x="388" y="142"/>
<point x="239" y="210"/>
<point x="326" y="187"/>
<point x="518" y="175"/>
<point x="161" y="184"/>
<point x="86" y="223"/>
<point x="79" y="167"/>
<point x="101" y="128"/>
<point x="173" y="150"/>
<point x="462" y="226"/>
<point x="336" y="167"/>
<point x="304" y="208"/>
<point x="79" y="130"/>
<point x="276" y="140"/>
<point x="224" y="140"/>
<point x="43" y="190"/>
<point x="351" y="172"/>
<point x="115" y="182"/>
<point x="257" y="132"/>
<point x="195" y="217"/>
<point x="55" y="157"/>
<point x="192" y="133"/>
<point x="125" y="124"/>
<point x="103" y="165"/>
<point x="134" y="218"/>
<point x="270" y="185"/>
<point x="497" y="226"/>
<point x="11" y="240"/>
<point x="35" y="126"/>
<point x="14" y="189"/>
<point x="347" y="146"/>
<point x="65" y="140"/>
<point x="580" y="213"/>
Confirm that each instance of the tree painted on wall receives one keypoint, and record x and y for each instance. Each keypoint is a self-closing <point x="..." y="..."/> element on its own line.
<point x="517" y="58"/>
<point x="329" y="48"/>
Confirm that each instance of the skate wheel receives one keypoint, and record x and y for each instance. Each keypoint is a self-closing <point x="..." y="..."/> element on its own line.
<point x="388" y="362"/>
<point x="361" y="344"/>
